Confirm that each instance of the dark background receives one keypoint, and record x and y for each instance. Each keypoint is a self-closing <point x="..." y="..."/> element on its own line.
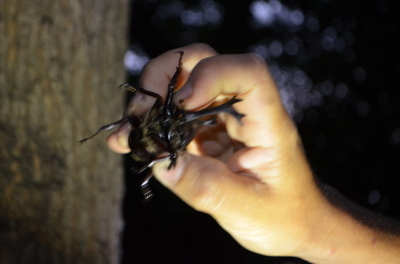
<point x="337" y="65"/>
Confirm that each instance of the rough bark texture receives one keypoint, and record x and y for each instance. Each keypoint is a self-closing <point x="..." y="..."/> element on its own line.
<point x="60" y="64"/>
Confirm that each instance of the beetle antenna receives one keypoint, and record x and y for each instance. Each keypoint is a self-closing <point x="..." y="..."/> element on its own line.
<point x="106" y="127"/>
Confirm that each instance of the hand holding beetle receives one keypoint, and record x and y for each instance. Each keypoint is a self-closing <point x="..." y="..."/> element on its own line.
<point x="253" y="178"/>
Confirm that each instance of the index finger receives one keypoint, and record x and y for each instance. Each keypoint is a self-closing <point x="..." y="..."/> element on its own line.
<point x="266" y="122"/>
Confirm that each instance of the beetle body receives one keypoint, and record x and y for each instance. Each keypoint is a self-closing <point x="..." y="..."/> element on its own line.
<point x="149" y="139"/>
<point x="165" y="128"/>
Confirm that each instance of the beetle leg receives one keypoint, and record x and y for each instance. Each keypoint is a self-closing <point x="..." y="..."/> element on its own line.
<point x="149" y="165"/>
<point x="166" y="146"/>
<point x="169" y="105"/>
<point x="210" y="122"/>
<point x="147" y="193"/>
<point x="169" y="108"/>
<point x="224" y="108"/>
<point x="130" y="88"/>
<point x="136" y="171"/>
<point x="106" y="127"/>
<point x="177" y="73"/>
<point x="141" y="90"/>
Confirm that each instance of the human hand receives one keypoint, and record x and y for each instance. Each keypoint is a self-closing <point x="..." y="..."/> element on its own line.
<point x="252" y="178"/>
<point x="259" y="162"/>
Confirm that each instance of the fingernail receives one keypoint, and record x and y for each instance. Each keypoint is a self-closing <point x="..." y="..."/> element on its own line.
<point x="123" y="134"/>
<point x="170" y="176"/>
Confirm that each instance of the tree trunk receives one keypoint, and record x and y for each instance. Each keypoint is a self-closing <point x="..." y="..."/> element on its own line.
<point x="60" y="64"/>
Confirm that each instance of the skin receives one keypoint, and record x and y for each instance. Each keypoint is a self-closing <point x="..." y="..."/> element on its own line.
<point x="254" y="178"/>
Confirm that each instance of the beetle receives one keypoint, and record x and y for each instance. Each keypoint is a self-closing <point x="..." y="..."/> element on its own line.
<point x="165" y="128"/>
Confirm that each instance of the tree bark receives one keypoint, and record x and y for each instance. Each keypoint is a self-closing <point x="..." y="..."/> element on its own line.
<point x="60" y="64"/>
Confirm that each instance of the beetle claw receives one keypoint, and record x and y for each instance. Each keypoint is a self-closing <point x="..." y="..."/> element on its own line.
<point x="173" y="157"/>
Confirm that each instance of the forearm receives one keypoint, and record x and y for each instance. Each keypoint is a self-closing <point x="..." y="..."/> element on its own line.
<point x="348" y="233"/>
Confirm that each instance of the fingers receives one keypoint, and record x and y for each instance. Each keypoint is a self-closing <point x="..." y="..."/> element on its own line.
<point x="158" y="72"/>
<point x="205" y="183"/>
<point x="266" y="122"/>
<point x="118" y="141"/>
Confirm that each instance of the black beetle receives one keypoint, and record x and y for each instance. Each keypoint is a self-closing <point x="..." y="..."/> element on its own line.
<point x="165" y="127"/>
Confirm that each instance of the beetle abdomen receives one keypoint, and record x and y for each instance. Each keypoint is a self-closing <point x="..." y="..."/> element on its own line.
<point x="145" y="150"/>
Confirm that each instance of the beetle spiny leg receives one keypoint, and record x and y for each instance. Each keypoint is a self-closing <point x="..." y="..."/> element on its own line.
<point x="141" y="90"/>
<point x="128" y="87"/>
<point x="169" y="105"/>
<point x="147" y="193"/>
<point x="180" y="58"/>
<point x="178" y="71"/>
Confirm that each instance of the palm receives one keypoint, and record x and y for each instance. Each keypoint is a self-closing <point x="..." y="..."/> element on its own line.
<point x="214" y="141"/>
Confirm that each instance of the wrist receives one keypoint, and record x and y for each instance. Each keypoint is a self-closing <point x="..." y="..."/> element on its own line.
<point x="343" y="232"/>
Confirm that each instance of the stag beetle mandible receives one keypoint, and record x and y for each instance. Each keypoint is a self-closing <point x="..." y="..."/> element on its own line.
<point x="164" y="128"/>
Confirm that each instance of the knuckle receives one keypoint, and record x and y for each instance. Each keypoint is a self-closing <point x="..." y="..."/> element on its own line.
<point x="151" y="65"/>
<point x="257" y="60"/>
<point x="203" y="48"/>
<point x="204" y="199"/>
<point x="204" y="194"/>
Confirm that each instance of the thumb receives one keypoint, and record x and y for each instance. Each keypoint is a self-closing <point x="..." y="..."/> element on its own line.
<point x="204" y="183"/>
